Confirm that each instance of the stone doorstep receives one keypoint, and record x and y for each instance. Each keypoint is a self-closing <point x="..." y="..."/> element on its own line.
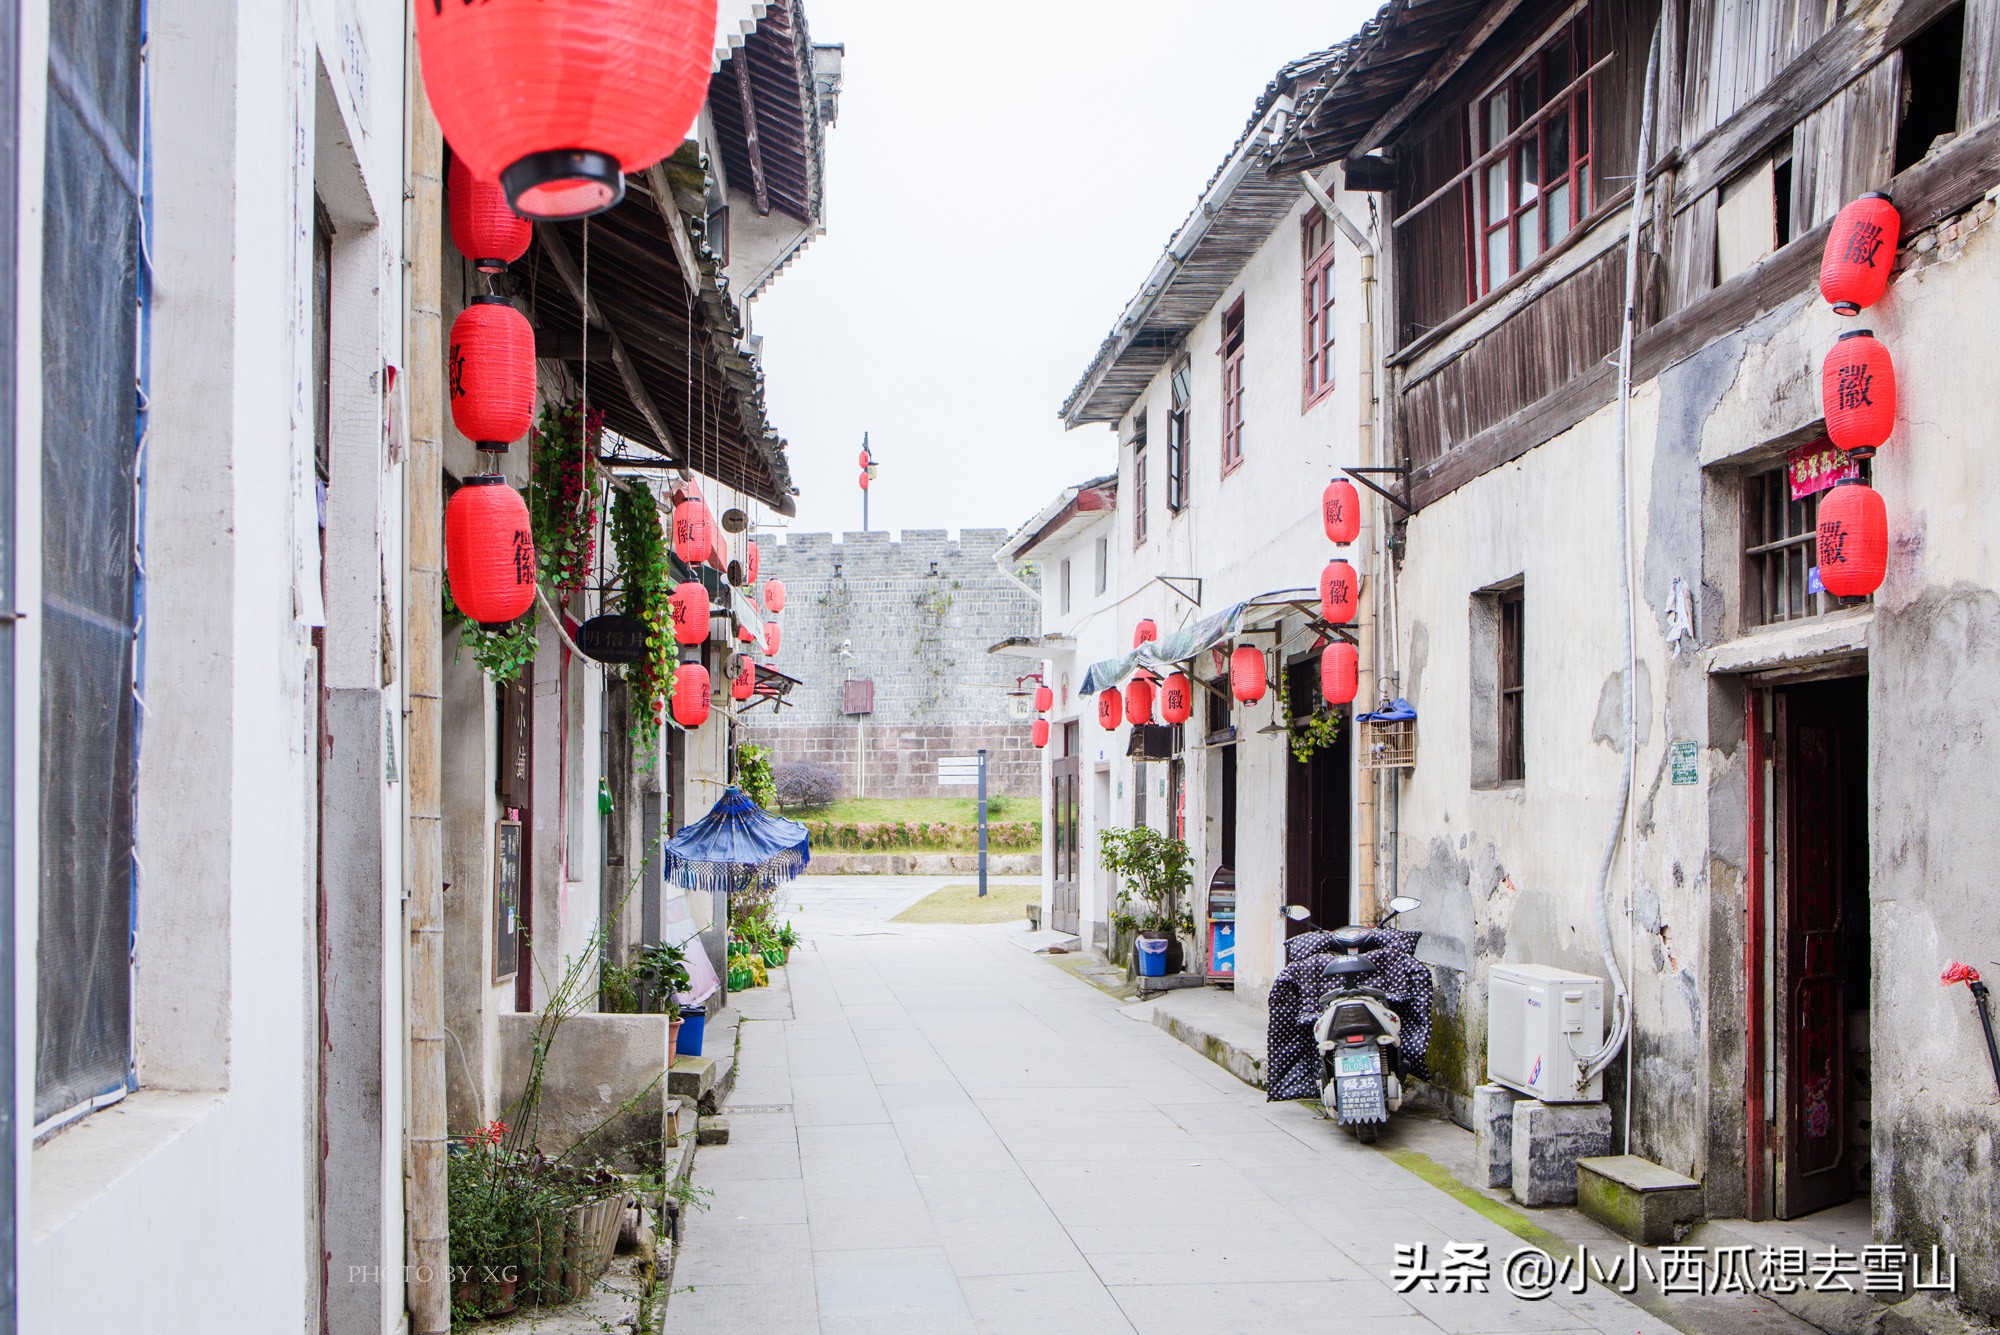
<point x="1235" y="1043"/>
<point x="1638" y="1199"/>
<point x="1172" y="982"/>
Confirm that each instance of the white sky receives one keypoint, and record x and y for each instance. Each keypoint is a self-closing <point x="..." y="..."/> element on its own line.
<point x="1002" y="178"/>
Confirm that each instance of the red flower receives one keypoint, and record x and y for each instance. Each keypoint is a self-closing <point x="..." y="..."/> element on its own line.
<point x="1959" y="973"/>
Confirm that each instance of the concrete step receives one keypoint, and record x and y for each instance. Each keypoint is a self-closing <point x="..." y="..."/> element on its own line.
<point x="1229" y="1032"/>
<point x="712" y="1131"/>
<point x="1638" y="1199"/>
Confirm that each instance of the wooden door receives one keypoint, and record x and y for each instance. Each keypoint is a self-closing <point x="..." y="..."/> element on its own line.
<point x="1816" y="753"/>
<point x="1063" y="780"/>
<point x="1318" y="816"/>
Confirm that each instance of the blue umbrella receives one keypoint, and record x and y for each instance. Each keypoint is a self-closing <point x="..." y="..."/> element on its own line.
<point x="736" y="838"/>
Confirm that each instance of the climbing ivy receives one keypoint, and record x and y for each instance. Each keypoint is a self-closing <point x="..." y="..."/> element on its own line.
<point x="645" y="579"/>
<point x="564" y="492"/>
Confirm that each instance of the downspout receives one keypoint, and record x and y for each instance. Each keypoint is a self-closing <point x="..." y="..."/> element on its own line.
<point x="428" y="1285"/>
<point x="1368" y="805"/>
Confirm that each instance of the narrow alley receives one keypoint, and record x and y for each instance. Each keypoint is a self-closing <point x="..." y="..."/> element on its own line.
<point x="935" y="1131"/>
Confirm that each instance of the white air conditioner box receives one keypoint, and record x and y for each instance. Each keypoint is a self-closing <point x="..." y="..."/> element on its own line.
<point x="1537" y="1020"/>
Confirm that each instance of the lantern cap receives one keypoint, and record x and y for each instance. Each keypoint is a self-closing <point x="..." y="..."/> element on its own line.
<point x="1856" y="333"/>
<point x="483" y="480"/>
<point x="560" y="184"/>
<point x="491" y="298"/>
<point x="1882" y="195"/>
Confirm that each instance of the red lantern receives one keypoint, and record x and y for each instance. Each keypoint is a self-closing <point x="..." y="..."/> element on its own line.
<point x="1139" y="701"/>
<point x="689" y="606"/>
<point x="774" y="596"/>
<point x="691" y="695"/>
<point x="1110" y="709"/>
<point x="864" y="479"/>
<point x="1145" y="633"/>
<point x="557" y="99"/>
<point x="1339" y="673"/>
<point x="1340" y="510"/>
<point x="752" y="560"/>
<point x="1045" y="699"/>
<point x="1246" y="673"/>
<point x="483" y="228"/>
<point x="747" y="635"/>
<point x="1176" y="698"/>
<point x="773" y="637"/>
<point x="1860" y="252"/>
<point x="865" y="460"/>
<point x="1853" y="539"/>
<point x="1858" y="390"/>
<point x="489" y="551"/>
<point x="1040" y="733"/>
<point x="1339" y="593"/>
<point x="694" y="530"/>
<point x="745" y="684"/>
<point x="492" y="373"/>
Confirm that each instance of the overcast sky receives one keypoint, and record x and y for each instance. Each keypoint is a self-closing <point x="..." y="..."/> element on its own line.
<point x="1002" y="179"/>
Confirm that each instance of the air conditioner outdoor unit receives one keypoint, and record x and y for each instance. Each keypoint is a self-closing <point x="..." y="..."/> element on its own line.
<point x="1537" y="1020"/>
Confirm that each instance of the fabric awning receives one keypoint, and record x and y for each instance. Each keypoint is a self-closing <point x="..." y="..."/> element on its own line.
<point x="1174" y="649"/>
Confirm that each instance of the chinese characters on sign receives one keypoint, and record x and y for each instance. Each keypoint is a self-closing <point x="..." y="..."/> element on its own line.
<point x="1814" y="468"/>
<point x="1530" y="1273"/>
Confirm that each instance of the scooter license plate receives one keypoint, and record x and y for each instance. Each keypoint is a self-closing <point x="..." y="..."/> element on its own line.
<point x="1357" y="1061"/>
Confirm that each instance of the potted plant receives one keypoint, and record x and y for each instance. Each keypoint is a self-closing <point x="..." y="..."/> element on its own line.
<point x="1154" y="869"/>
<point x="661" y="973"/>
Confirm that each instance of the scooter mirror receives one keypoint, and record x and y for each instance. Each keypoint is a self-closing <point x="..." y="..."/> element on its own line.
<point x="1404" y="904"/>
<point x="1297" y="912"/>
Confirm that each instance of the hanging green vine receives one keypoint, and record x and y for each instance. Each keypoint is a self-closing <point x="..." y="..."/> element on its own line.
<point x="500" y="654"/>
<point x="645" y="583"/>
<point x="564" y="491"/>
<point x="1315" y="731"/>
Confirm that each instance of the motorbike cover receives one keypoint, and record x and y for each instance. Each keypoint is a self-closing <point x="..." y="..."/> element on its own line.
<point x="1303" y="989"/>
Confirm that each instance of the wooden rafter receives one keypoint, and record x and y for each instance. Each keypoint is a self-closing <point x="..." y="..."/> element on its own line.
<point x="760" y="188"/>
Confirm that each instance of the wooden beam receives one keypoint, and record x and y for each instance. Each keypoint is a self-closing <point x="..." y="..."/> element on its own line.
<point x="635" y="388"/>
<point x="1447" y="64"/>
<point x="748" y="101"/>
<point x="662" y="191"/>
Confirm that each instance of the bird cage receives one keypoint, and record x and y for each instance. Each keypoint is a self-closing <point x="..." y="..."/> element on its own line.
<point x="1389" y="736"/>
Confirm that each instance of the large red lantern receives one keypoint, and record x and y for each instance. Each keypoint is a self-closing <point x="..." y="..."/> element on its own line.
<point x="691" y="695"/>
<point x="1139" y="701"/>
<point x="1176" y="698"/>
<point x="1110" y="708"/>
<point x="557" y="99"/>
<point x="773" y="638"/>
<point x="1339" y="673"/>
<point x="694" y="529"/>
<point x="1145" y="632"/>
<point x="1853" y="539"/>
<point x="752" y="560"/>
<point x="745" y="634"/>
<point x="774" y="596"/>
<point x="745" y="684"/>
<point x="1045" y="699"/>
<point x="1339" y="593"/>
<point x="689" y="608"/>
<point x="1858" y="390"/>
<point x="1246" y="673"/>
<point x="1040" y="733"/>
<point x="492" y="373"/>
<point x="489" y="551"/>
<point x="1340" y="510"/>
<point x="483" y="228"/>
<point x="1860" y="252"/>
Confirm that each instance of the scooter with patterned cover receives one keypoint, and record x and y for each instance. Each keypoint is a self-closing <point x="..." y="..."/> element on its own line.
<point x="1359" y="1033"/>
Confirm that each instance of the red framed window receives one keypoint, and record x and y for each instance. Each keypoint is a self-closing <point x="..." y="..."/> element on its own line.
<point x="1232" y="386"/>
<point x="1318" y="240"/>
<point x="1531" y="135"/>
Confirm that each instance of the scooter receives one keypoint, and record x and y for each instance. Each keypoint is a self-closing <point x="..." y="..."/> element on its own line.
<point x="1359" y="1034"/>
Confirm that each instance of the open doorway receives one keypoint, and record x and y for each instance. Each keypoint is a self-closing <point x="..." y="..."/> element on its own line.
<point x="1810" y="949"/>
<point x="1319" y="806"/>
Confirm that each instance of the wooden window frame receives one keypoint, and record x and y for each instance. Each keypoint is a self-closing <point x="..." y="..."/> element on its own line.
<point x="1103" y="573"/>
<point x="1780" y="542"/>
<point x="1231" y="352"/>
<point x="1139" y="481"/>
<point x="1529" y="125"/>
<point x="1316" y="293"/>
<point x="1180" y="388"/>
<point x="1511" y="677"/>
<point x="1064" y="601"/>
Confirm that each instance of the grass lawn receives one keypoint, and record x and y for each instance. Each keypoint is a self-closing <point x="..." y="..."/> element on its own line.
<point x="962" y="904"/>
<point x="955" y="810"/>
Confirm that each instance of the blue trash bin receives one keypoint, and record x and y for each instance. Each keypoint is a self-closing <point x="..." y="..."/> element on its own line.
<point x="1152" y="957"/>
<point x="694" y="1019"/>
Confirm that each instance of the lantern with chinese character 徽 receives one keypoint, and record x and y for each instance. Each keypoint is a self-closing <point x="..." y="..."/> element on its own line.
<point x="690" y="695"/>
<point x="1110" y="708"/>
<point x="753" y="560"/>
<point x="1339" y="590"/>
<point x="1340" y="510"/>
<point x="689" y="608"/>
<point x="1853" y="540"/>
<point x="745" y="684"/>
<point x="1860" y="252"/>
<point x="1339" y="673"/>
<point x="773" y="638"/>
<point x="1246" y="673"/>
<point x="1139" y="700"/>
<point x="558" y="99"/>
<point x="1145" y="632"/>
<point x="1045" y="699"/>
<point x="483" y="228"/>
<point x="1858" y="391"/>
<point x="492" y="373"/>
<point x="489" y="551"/>
<point x="694" y="527"/>
<point x="774" y="596"/>
<point x="1176" y="698"/>
<point x="1040" y="733"/>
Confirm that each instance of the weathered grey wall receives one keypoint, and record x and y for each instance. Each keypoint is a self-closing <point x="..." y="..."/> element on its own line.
<point x="915" y="616"/>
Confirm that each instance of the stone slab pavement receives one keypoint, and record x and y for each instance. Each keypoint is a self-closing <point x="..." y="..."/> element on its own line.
<point x="941" y="1133"/>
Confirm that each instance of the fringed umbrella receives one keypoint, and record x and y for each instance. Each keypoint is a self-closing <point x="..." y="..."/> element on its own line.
<point x="737" y="844"/>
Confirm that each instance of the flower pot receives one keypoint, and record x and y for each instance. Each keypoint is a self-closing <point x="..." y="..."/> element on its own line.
<point x="673" y="1039"/>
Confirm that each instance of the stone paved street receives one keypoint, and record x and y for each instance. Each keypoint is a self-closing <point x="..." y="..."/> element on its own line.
<point x="936" y="1132"/>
